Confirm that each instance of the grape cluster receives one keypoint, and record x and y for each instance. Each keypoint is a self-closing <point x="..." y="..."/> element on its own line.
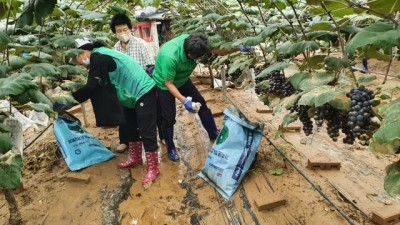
<point x="257" y="70"/>
<point x="279" y="85"/>
<point x="332" y="116"/>
<point x="346" y="129"/>
<point x="360" y="113"/>
<point x="235" y="75"/>
<point x="302" y="111"/>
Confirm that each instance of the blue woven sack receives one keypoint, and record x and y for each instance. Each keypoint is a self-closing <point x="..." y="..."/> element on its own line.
<point x="78" y="147"/>
<point x="233" y="153"/>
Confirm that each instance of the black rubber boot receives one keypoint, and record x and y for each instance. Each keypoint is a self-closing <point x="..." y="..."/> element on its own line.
<point x="169" y="139"/>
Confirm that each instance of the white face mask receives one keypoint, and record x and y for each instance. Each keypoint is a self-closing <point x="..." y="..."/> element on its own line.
<point x="124" y="37"/>
<point x="86" y="62"/>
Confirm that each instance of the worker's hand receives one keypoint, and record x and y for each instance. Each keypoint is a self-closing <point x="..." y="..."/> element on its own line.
<point x="245" y="48"/>
<point x="191" y="106"/>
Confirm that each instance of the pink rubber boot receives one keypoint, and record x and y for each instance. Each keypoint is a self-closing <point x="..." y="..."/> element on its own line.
<point x="135" y="156"/>
<point x="153" y="168"/>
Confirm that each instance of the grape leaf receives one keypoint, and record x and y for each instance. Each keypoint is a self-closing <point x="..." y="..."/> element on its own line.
<point x="4" y="128"/>
<point x="42" y="69"/>
<point x="65" y="41"/>
<point x="15" y="84"/>
<point x="4" y="40"/>
<point x="63" y="97"/>
<point x="385" y="7"/>
<point x="5" y="142"/>
<point x="298" y="48"/>
<point x="320" y="95"/>
<point x="288" y="119"/>
<point x="274" y="67"/>
<point x="71" y="70"/>
<point x="39" y="107"/>
<point x="17" y="62"/>
<point x="380" y="35"/>
<point x="10" y="170"/>
<point x="307" y="81"/>
<point x="387" y="138"/>
<point x="336" y="64"/>
<point x="248" y="41"/>
<point x="392" y="179"/>
<point x="32" y="95"/>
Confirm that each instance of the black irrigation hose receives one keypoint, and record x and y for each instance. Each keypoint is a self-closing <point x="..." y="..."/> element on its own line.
<point x="310" y="182"/>
<point x="37" y="137"/>
<point x="349" y="220"/>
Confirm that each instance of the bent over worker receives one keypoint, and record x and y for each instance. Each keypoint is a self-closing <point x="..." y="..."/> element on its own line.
<point x="135" y="90"/>
<point x="174" y="64"/>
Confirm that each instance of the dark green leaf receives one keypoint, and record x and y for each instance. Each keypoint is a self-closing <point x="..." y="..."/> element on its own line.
<point x="380" y="35"/>
<point x="248" y="41"/>
<point x="65" y="41"/>
<point x="17" y="62"/>
<point x="336" y="64"/>
<point x="298" y="48"/>
<point x="43" y="8"/>
<point x="10" y="170"/>
<point x="4" y="40"/>
<point x="5" y="143"/>
<point x="4" y="70"/>
<point x="4" y="128"/>
<point x="268" y="32"/>
<point x="274" y="67"/>
<point x="15" y="84"/>
<point x="32" y="95"/>
<point x="42" y="69"/>
<point x="386" y="7"/>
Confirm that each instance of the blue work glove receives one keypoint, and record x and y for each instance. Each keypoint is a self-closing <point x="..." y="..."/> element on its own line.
<point x="59" y="107"/>
<point x="191" y="106"/>
<point x="245" y="48"/>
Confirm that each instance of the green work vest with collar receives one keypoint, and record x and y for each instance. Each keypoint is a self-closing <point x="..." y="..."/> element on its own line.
<point x="130" y="80"/>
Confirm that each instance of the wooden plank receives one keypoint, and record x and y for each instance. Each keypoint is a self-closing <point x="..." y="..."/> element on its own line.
<point x="263" y="110"/>
<point x="322" y="163"/>
<point x="78" y="177"/>
<point x="269" y="202"/>
<point x="387" y="215"/>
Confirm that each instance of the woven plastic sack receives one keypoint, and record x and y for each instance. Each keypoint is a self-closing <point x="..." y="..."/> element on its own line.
<point x="78" y="147"/>
<point x="233" y="153"/>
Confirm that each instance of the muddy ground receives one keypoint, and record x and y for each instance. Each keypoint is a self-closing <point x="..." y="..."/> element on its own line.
<point x="180" y="196"/>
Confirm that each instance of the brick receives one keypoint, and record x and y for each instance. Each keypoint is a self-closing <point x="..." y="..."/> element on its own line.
<point x="292" y="128"/>
<point x="269" y="202"/>
<point x="387" y="215"/>
<point x="263" y="110"/>
<point x="78" y="177"/>
<point x="218" y="113"/>
<point x="323" y="164"/>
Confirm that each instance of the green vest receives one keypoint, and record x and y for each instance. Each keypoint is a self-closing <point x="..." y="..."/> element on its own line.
<point x="130" y="80"/>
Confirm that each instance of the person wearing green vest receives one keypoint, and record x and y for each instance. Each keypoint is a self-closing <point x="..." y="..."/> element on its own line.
<point x="135" y="89"/>
<point x="174" y="64"/>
